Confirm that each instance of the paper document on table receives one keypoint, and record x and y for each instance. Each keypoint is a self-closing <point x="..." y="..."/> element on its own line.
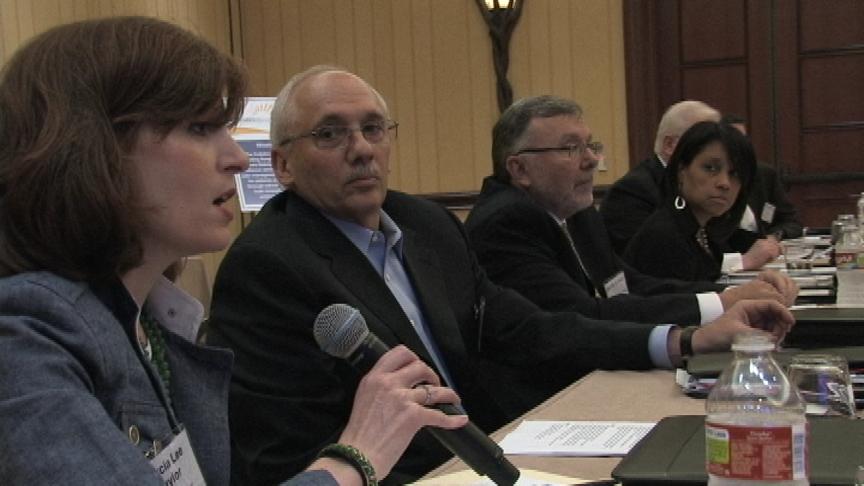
<point x="574" y="438"/>
<point x="527" y="477"/>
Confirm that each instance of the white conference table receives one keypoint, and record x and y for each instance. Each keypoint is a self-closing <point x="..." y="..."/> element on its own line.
<point x="601" y="395"/>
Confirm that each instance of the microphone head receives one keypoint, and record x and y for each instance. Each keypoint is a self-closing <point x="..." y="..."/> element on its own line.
<point x="339" y="329"/>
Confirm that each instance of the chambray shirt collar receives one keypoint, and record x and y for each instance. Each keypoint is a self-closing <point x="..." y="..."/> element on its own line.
<point x="176" y="310"/>
<point x="363" y="237"/>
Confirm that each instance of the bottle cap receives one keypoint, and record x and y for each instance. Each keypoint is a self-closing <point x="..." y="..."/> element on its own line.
<point x="753" y="341"/>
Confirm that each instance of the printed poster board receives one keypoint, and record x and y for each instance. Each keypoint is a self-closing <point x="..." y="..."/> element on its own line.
<point x="256" y="185"/>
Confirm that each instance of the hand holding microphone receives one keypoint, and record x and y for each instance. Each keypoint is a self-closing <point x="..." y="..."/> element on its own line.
<point x="389" y="409"/>
<point x="388" y="412"/>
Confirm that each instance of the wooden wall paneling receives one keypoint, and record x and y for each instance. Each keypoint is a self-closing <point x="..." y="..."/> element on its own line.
<point x="820" y="203"/>
<point x="536" y="22"/>
<point x="841" y="25"/>
<point x="288" y="37"/>
<point x="404" y="169"/>
<point x="10" y="32"/>
<point x="832" y="90"/>
<point x="713" y="54"/>
<point x="521" y="65"/>
<point x="669" y="44"/>
<point x="483" y="102"/>
<point x="424" y="108"/>
<point x="722" y="86"/>
<point x="598" y="70"/>
<point x="317" y="32"/>
<point x="452" y="94"/>
<point x="567" y="63"/>
<point x="642" y="86"/>
<point x="833" y="150"/>
<point x="363" y="43"/>
<point x="787" y="143"/>
<point x="760" y="98"/>
<point x="713" y="30"/>
<point x="270" y="29"/>
<point x="618" y="154"/>
<point x="382" y="51"/>
<point x="347" y="47"/>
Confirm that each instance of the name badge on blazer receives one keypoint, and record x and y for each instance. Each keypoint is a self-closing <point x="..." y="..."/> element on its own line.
<point x="176" y="463"/>
<point x="768" y="212"/>
<point x="617" y="284"/>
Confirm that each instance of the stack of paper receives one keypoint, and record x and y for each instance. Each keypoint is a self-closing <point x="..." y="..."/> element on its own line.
<point x="573" y="438"/>
<point x="527" y="477"/>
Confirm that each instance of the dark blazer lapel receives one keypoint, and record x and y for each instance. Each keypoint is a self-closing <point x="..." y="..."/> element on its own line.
<point x="421" y="262"/>
<point x="373" y="298"/>
<point x="589" y="235"/>
<point x="658" y="173"/>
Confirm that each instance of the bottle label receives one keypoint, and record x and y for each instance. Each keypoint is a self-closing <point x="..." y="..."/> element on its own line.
<point x="845" y="259"/>
<point x="756" y="453"/>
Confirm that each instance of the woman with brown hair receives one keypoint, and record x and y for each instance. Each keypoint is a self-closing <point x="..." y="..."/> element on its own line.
<point x="115" y="162"/>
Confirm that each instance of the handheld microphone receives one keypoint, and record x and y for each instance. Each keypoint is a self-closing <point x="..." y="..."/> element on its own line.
<point x="341" y="331"/>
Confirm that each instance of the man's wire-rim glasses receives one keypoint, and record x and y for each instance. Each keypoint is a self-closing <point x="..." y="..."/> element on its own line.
<point x="333" y="136"/>
<point x="573" y="149"/>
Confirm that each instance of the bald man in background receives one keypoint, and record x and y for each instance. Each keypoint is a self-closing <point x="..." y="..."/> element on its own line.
<point x="637" y="194"/>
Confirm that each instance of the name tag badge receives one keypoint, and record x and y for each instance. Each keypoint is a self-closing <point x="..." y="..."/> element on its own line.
<point x="176" y="463"/>
<point x="616" y="285"/>
<point x="768" y="213"/>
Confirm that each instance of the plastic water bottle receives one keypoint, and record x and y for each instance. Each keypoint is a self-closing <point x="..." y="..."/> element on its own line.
<point x="861" y="214"/>
<point x="849" y="249"/>
<point x="755" y="429"/>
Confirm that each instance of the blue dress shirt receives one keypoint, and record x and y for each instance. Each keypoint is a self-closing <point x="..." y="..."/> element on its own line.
<point x="383" y="248"/>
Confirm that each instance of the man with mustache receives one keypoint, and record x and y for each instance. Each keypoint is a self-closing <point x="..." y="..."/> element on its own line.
<point x="535" y="229"/>
<point x="338" y="235"/>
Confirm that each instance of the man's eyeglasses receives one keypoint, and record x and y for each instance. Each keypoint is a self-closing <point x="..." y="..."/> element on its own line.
<point x="573" y="149"/>
<point x="333" y="136"/>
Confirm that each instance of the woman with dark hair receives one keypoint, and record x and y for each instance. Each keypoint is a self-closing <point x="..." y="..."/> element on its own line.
<point x="116" y="161"/>
<point x="709" y="178"/>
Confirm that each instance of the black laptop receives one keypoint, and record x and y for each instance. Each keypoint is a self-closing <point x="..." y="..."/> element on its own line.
<point x="673" y="453"/>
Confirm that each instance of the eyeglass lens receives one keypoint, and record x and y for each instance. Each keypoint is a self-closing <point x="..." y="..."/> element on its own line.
<point x="336" y="135"/>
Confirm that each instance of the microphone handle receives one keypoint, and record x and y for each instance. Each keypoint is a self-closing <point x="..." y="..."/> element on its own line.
<point x="476" y="449"/>
<point x="468" y="443"/>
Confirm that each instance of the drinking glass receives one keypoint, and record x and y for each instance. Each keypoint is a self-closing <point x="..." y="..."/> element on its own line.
<point x="823" y="380"/>
<point x="798" y="254"/>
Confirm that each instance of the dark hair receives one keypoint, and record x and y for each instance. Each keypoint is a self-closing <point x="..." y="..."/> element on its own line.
<point x="508" y="132"/>
<point x="738" y="148"/>
<point x="72" y="101"/>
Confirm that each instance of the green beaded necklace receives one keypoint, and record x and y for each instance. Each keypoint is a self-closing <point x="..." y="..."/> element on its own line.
<point x="157" y="344"/>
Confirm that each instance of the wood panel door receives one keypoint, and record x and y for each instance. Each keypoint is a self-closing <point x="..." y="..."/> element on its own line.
<point x="793" y="68"/>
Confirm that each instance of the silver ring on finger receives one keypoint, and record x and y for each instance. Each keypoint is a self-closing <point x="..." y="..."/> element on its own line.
<point x="428" y="399"/>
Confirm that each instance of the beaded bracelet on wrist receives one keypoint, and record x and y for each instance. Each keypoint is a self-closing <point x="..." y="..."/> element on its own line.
<point x="355" y="458"/>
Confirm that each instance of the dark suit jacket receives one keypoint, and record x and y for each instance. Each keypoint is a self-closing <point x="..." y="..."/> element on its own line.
<point x="636" y="195"/>
<point x="289" y="398"/>
<point x="522" y="247"/>
<point x="666" y="247"/>
<point x="632" y="199"/>
<point x="767" y="188"/>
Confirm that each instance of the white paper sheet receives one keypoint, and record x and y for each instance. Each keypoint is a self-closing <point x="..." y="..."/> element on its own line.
<point x="527" y="477"/>
<point x="574" y="438"/>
